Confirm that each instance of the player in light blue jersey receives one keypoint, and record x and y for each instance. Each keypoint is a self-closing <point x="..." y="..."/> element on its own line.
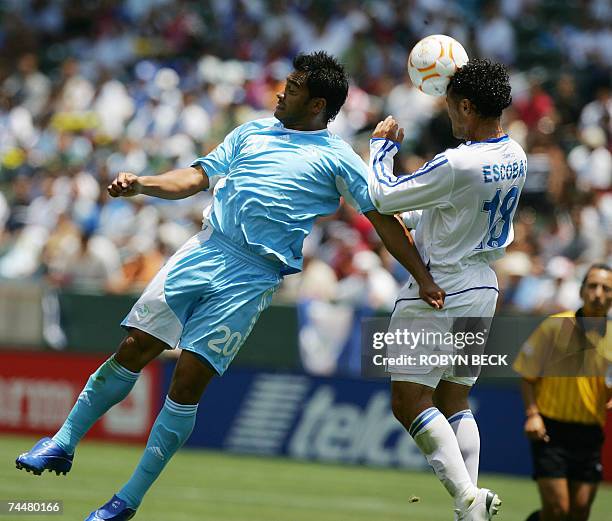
<point x="272" y="178"/>
<point x="461" y="204"/>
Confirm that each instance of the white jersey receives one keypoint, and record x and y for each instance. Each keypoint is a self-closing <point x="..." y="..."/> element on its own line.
<point x="461" y="203"/>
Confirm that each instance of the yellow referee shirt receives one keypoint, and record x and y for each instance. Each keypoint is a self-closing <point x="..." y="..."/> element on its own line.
<point x="556" y="352"/>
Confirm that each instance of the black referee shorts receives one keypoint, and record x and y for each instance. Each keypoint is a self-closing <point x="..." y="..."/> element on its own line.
<point x="573" y="452"/>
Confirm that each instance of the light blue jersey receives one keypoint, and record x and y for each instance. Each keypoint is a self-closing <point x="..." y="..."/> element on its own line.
<point x="274" y="182"/>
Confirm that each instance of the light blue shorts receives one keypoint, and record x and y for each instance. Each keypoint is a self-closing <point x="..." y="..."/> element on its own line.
<point x="207" y="298"/>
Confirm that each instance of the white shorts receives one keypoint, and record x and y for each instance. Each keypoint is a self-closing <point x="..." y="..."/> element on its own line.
<point x="470" y="293"/>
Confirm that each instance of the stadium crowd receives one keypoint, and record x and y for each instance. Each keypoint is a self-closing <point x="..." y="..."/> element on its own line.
<point x="88" y="89"/>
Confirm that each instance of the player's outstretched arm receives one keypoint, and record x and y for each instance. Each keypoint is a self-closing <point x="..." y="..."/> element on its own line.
<point x="401" y="245"/>
<point x="427" y="187"/>
<point x="175" y="184"/>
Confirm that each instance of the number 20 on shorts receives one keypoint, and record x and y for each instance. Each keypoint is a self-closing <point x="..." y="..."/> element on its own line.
<point x="227" y="344"/>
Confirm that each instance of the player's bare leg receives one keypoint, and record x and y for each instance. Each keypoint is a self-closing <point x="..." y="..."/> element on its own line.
<point x="451" y="398"/>
<point x="191" y="377"/>
<point x="452" y="401"/>
<point x="408" y="400"/>
<point x="581" y="497"/>
<point x="107" y="386"/>
<point x="138" y="349"/>
<point x="554" y="493"/>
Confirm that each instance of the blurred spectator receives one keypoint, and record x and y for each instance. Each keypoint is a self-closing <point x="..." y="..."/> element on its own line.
<point x="598" y="113"/>
<point x="90" y="89"/>
<point x="495" y="35"/>
<point x="537" y="105"/>
<point x="591" y="160"/>
<point x="548" y="174"/>
<point x="93" y="264"/>
<point x="567" y="107"/>
<point x="146" y="259"/>
<point x="27" y="86"/>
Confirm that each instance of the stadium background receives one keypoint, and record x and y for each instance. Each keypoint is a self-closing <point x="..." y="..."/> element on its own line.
<point x="91" y="88"/>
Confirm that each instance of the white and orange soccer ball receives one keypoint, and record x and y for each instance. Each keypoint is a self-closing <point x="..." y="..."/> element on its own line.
<point x="433" y="61"/>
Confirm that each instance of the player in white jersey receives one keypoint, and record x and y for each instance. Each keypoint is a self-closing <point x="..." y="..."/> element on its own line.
<point x="461" y="204"/>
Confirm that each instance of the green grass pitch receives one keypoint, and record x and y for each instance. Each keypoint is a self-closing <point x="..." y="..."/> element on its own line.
<point x="214" y="486"/>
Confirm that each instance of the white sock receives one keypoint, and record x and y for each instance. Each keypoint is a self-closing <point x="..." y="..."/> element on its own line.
<point x="468" y="438"/>
<point x="436" y="439"/>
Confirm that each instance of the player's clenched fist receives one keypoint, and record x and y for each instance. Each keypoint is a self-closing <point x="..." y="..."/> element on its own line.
<point x="389" y="129"/>
<point x="535" y="428"/>
<point x="433" y="294"/>
<point x="125" y="185"/>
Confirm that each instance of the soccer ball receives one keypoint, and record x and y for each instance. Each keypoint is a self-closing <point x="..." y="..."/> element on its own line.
<point x="433" y="61"/>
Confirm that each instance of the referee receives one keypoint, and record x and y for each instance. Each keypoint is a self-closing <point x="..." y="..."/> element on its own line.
<point x="566" y="412"/>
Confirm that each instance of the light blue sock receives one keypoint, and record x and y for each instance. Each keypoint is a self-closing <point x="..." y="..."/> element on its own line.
<point x="110" y="384"/>
<point x="170" y="430"/>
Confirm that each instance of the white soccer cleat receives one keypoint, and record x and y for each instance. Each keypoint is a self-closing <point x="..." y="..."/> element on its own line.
<point x="485" y="505"/>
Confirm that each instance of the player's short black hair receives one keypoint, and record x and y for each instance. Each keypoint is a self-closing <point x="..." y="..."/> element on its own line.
<point x="486" y="84"/>
<point x="596" y="266"/>
<point x="325" y="78"/>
